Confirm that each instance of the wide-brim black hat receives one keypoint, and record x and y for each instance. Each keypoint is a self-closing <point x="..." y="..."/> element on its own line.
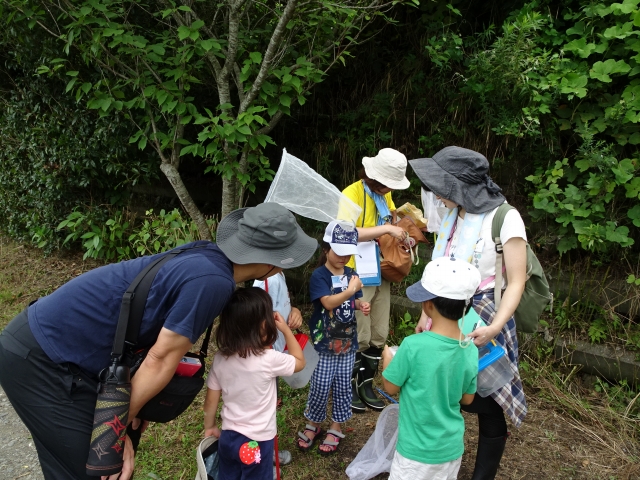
<point x="460" y="175"/>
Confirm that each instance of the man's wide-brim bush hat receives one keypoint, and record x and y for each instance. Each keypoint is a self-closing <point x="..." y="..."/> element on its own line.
<point x="460" y="175"/>
<point x="267" y="233"/>
<point x="388" y="168"/>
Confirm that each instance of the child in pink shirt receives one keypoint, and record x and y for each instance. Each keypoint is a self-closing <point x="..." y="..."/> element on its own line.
<point x="244" y="372"/>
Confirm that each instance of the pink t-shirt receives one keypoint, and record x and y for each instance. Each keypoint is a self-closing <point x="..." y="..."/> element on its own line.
<point x="248" y="388"/>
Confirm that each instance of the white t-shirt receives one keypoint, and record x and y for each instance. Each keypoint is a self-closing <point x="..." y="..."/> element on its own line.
<point x="248" y="388"/>
<point x="513" y="226"/>
<point x="281" y="302"/>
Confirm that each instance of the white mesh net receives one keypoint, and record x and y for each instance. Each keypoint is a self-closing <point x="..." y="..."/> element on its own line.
<point x="376" y="455"/>
<point x="304" y="191"/>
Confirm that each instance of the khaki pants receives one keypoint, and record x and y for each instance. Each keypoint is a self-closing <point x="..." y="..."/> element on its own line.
<point x="373" y="330"/>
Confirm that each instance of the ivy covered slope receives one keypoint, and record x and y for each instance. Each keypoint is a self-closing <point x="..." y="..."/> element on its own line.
<point x="592" y="89"/>
<point x="54" y="155"/>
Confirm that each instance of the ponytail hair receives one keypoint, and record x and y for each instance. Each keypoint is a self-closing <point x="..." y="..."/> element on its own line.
<point x="324" y="250"/>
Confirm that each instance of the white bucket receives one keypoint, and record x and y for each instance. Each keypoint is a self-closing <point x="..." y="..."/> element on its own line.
<point x="301" y="378"/>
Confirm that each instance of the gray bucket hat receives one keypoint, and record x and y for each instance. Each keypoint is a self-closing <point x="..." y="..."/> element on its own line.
<point x="267" y="233"/>
<point x="460" y="175"/>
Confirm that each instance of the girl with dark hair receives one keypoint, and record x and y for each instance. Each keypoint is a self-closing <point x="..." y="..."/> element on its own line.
<point x="243" y="372"/>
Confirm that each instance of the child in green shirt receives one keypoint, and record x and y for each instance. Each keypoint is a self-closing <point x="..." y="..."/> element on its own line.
<point x="435" y="372"/>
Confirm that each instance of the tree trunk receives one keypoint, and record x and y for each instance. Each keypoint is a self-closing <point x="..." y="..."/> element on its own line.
<point x="183" y="195"/>
<point x="229" y="195"/>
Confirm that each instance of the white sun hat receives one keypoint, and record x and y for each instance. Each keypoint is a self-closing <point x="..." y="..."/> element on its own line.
<point x="448" y="278"/>
<point x="388" y="168"/>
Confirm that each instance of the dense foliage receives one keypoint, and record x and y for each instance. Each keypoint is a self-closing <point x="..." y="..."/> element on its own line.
<point x="56" y="157"/>
<point x="548" y="91"/>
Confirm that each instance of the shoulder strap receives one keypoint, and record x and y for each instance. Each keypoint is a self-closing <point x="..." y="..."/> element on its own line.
<point x="496" y="226"/>
<point x="364" y="204"/>
<point x="134" y="301"/>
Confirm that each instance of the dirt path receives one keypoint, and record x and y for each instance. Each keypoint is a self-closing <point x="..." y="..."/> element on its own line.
<point x="18" y="458"/>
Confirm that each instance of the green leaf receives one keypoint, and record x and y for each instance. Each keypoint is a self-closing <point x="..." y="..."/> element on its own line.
<point x="209" y="44"/>
<point x="183" y="32"/>
<point x="602" y="70"/>
<point x="70" y="84"/>
<point x="285" y="100"/>
<point x="634" y="215"/>
<point x="581" y="47"/>
<point x="573" y="83"/>
<point x="73" y="73"/>
<point x="110" y="32"/>
<point x="256" y="57"/>
<point x="142" y="143"/>
<point x="567" y="243"/>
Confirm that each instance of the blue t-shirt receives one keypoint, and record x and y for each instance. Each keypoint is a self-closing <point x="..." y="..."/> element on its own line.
<point x="333" y="331"/>
<point x="77" y="322"/>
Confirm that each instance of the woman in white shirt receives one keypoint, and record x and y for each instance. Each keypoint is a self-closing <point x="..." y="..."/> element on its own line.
<point x="459" y="177"/>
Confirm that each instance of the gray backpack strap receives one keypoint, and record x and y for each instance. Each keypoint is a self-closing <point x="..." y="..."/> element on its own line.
<point x="496" y="226"/>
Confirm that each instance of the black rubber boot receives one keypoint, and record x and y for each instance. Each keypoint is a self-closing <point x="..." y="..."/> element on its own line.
<point x="490" y="452"/>
<point x="356" y="404"/>
<point x="370" y="360"/>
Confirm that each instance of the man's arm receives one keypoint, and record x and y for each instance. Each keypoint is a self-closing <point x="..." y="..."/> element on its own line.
<point x="158" y="367"/>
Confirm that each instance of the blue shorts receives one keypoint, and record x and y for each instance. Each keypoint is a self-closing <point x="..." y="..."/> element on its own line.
<point x="240" y="460"/>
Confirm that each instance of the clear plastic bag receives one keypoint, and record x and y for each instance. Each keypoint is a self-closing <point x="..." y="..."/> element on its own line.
<point x="301" y="189"/>
<point x="377" y="454"/>
<point x="434" y="210"/>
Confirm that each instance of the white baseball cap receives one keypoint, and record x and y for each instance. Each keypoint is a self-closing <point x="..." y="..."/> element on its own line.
<point x="388" y="168"/>
<point x="343" y="237"/>
<point x="448" y="278"/>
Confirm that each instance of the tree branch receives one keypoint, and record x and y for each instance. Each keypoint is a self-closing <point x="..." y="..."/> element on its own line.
<point x="274" y="43"/>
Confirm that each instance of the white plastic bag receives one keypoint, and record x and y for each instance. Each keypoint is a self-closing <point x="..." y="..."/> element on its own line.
<point x="434" y="210"/>
<point x="377" y="454"/>
<point x="301" y="189"/>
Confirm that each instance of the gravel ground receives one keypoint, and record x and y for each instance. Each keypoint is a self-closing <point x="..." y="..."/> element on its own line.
<point x="18" y="457"/>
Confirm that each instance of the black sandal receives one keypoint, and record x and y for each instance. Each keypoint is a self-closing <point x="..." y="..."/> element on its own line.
<point x="331" y="443"/>
<point x="308" y="441"/>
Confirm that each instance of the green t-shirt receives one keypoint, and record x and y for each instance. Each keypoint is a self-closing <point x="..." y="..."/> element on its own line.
<point x="433" y="373"/>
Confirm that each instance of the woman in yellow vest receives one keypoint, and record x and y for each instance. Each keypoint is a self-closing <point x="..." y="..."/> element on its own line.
<point x="379" y="176"/>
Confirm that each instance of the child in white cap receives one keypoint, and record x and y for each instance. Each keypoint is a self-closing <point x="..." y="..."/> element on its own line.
<point x="335" y="292"/>
<point x="435" y="372"/>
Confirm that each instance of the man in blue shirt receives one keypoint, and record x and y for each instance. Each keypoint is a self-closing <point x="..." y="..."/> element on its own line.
<point x="52" y="352"/>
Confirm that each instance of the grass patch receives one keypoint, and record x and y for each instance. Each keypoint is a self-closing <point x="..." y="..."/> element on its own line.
<point x="574" y="429"/>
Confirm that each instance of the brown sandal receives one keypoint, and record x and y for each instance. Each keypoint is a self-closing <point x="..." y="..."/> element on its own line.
<point x="338" y="436"/>
<point x="308" y="442"/>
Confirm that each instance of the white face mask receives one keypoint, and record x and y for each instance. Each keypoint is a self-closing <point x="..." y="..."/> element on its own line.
<point x="434" y="210"/>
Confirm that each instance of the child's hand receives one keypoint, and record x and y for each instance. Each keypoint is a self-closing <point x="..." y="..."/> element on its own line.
<point x="355" y="284"/>
<point x="365" y="308"/>
<point x="295" y="319"/>
<point x="424" y="324"/>
<point x="280" y="323"/>
<point x="212" y="432"/>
